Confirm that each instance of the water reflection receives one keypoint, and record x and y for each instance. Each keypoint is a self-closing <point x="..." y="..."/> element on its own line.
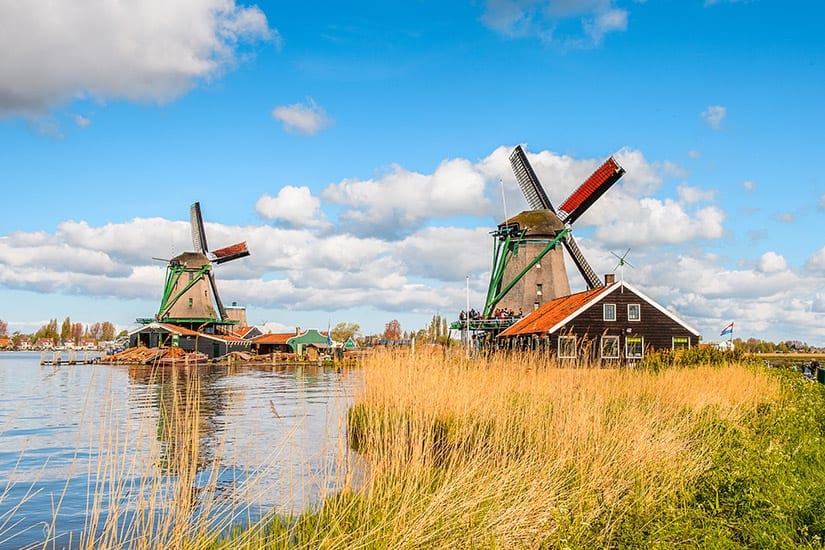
<point x="237" y="441"/>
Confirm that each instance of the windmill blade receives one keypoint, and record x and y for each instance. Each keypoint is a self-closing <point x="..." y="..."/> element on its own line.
<point x="221" y="309"/>
<point x="593" y="187"/>
<point x="230" y="253"/>
<point x="590" y="277"/>
<point x="198" y="232"/>
<point x="527" y="180"/>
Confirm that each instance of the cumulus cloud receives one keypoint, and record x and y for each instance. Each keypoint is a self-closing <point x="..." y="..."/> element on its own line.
<point x="749" y="185"/>
<point x="714" y="115"/>
<point x="649" y="221"/>
<point x="144" y="50"/>
<point x="294" y="205"/>
<point x="771" y="262"/>
<point x="302" y="118"/>
<point x="577" y="23"/>
<point x="694" y="154"/>
<point x="400" y="201"/>
<point x="816" y="262"/>
<point x="785" y="217"/>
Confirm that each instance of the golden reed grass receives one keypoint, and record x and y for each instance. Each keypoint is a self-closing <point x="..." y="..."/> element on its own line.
<point x="512" y="451"/>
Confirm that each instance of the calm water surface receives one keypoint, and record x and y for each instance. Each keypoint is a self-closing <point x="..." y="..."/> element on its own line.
<point x="270" y="437"/>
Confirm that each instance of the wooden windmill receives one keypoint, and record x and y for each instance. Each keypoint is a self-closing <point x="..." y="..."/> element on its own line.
<point x="190" y="294"/>
<point x="528" y="265"/>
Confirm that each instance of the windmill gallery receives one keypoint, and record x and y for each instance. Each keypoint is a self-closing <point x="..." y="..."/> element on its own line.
<point x="610" y="321"/>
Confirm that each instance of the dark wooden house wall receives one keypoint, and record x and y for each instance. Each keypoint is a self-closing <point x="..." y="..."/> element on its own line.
<point x="656" y="328"/>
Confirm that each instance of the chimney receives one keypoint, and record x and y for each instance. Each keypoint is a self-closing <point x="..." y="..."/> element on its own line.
<point x="297" y="331"/>
<point x="609" y="279"/>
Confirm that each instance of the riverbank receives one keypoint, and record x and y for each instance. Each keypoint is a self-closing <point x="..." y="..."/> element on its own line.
<point x="513" y="453"/>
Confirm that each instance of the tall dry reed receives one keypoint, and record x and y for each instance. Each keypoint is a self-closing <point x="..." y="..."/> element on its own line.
<point x="516" y="452"/>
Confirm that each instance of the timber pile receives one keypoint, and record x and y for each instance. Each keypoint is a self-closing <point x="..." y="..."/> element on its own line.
<point x="145" y="356"/>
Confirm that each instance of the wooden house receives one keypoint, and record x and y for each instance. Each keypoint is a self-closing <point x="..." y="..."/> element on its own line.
<point x="211" y="344"/>
<point x="613" y="323"/>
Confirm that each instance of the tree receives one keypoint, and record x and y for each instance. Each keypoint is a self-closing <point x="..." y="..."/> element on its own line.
<point x="66" y="329"/>
<point x="77" y="332"/>
<point x="95" y="331"/>
<point x="344" y="331"/>
<point x="4" y="327"/>
<point x="107" y="331"/>
<point x="392" y="330"/>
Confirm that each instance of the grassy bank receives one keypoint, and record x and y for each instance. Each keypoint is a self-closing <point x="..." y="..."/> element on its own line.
<point x="511" y="453"/>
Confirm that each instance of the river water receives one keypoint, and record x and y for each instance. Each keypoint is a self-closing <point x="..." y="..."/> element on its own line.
<point x="84" y="444"/>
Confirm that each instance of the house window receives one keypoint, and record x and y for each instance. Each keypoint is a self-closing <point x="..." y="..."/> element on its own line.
<point x="567" y="347"/>
<point x="538" y="289"/>
<point x="610" y="347"/>
<point x="190" y="302"/>
<point x="634" y="312"/>
<point x="633" y="347"/>
<point x="609" y="312"/>
<point x="681" y="342"/>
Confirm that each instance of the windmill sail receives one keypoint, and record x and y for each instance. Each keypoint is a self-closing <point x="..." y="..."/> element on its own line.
<point x="588" y="192"/>
<point x="198" y="232"/>
<point x="229" y="253"/>
<point x="593" y="280"/>
<point x="527" y="180"/>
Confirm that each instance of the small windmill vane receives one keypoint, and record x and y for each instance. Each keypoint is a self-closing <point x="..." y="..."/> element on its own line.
<point x="622" y="262"/>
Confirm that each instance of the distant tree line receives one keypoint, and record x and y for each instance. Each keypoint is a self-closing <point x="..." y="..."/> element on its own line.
<point x="66" y="332"/>
<point x="754" y="345"/>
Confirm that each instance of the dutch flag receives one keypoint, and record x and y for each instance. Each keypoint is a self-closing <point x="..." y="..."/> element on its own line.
<point x="727" y="330"/>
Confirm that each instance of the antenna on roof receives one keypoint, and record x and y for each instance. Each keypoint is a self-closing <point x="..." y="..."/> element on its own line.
<point x="622" y="262"/>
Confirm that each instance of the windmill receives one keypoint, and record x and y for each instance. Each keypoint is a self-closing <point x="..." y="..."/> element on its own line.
<point x="528" y="266"/>
<point x="190" y="289"/>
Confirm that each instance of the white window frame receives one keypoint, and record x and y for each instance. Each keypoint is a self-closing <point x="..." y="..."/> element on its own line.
<point x="673" y="342"/>
<point x="627" y="353"/>
<point x="605" y="308"/>
<point x="617" y="347"/>
<point x="559" y="348"/>
<point x="638" y="308"/>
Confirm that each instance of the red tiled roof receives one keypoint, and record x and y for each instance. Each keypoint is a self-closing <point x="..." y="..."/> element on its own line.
<point x="553" y="312"/>
<point x="279" y="338"/>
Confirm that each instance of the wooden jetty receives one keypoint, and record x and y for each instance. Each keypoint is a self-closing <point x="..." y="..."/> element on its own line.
<point x="85" y="357"/>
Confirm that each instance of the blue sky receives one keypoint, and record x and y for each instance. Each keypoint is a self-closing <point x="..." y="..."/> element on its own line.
<point x="361" y="148"/>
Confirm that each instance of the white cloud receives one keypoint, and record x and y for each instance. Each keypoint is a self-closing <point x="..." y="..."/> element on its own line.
<point x="81" y="120"/>
<point x="749" y="185"/>
<point x="400" y="201"/>
<point x="714" y="115"/>
<point x="650" y="221"/>
<point x="771" y="262"/>
<point x="816" y="262"/>
<point x="692" y="195"/>
<point x="299" y="118"/>
<point x="143" y="50"/>
<point x="576" y="23"/>
<point x="786" y="217"/>
<point x="694" y="154"/>
<point x="605" y="22"/>
<point x="294" y="205"/>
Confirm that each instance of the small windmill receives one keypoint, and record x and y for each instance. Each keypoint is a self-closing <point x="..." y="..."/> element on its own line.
<point x="622" y="262"/>
<point x="190" y="288"/>
<point x="525" y="283"/>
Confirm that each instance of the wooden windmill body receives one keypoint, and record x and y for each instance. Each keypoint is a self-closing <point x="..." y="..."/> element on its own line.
<point x="190" y="294"/>
<point x="528" y="263"/>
